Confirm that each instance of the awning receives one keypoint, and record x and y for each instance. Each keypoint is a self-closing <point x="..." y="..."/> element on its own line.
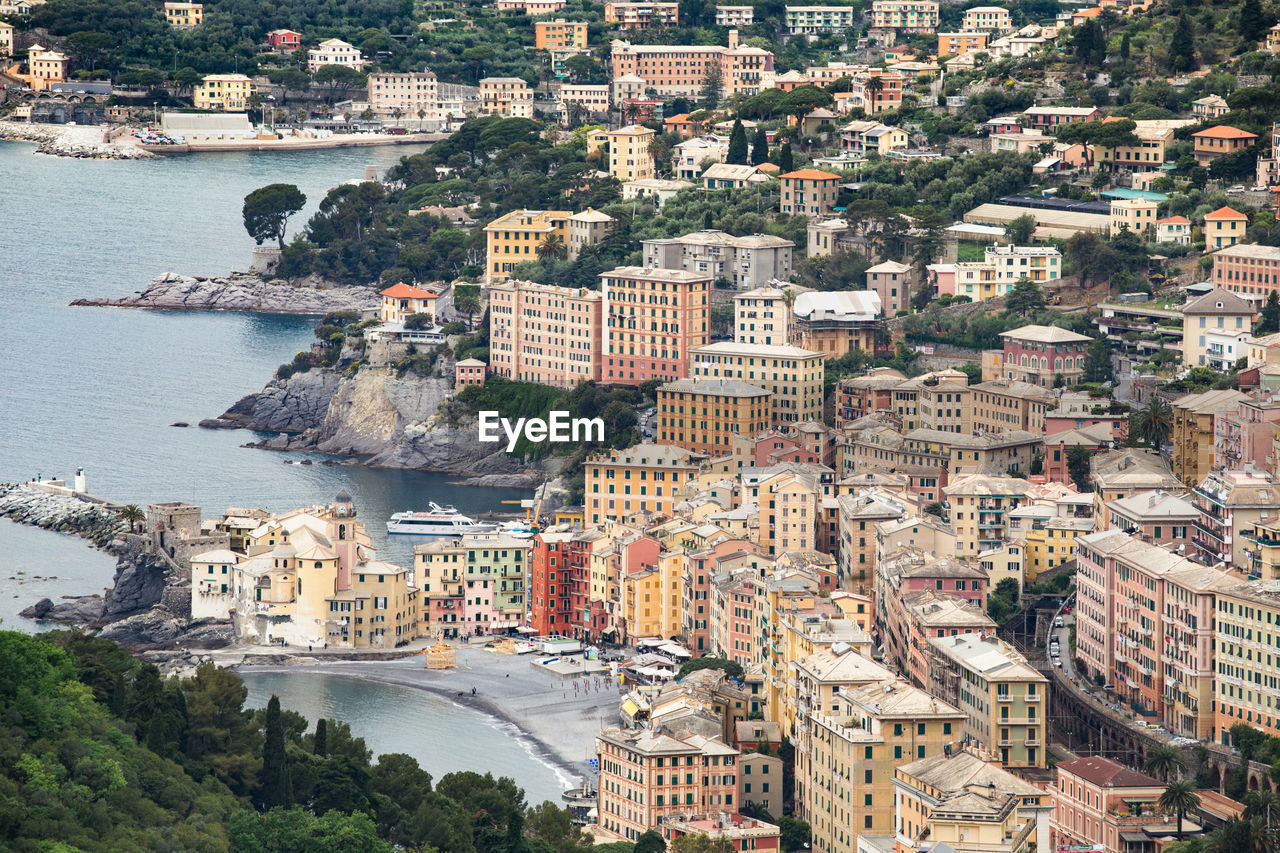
<point x="629" y="708"/>
<point x="609" y="631"/>
<point x="525" y="629"/>
<point x="504" y="623"/>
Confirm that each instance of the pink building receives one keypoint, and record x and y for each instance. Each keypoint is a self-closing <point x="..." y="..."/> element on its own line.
<point x="740" y="833"/>
<point x="545" y="334"/>
<point x="655" y="318"/>
<point x="1248" y="270"/>
<point x="469" y="371"/>
<point x="1157" y="517"/>
<point x="1051" y="118"/>
<point x="1093" y="803"/>
<point x="912" y="620"/>
<point x="1245" y="435"/>
<point x="1039" y="354"/>
<point x="734" y="621"/>
<point x="1057" y="448"/>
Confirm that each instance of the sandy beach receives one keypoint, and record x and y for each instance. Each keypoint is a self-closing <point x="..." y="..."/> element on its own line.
<point x="561" y="722"/>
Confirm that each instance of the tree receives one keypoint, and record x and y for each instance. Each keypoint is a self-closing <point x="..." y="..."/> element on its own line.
<point x="1090" y="257"/>
<point x="1155" y="422"/>
<point x="785" y="160"/>
<point x="320" y="746"/>
<point x="794" y="833"/>
<point x="737" y="153"/>
<point x="552" y="248"/>
<point x="466" y="300"/>
<point x="276" y="787"/>
<point x="1097" y="362"/>
<point x="1253" y="23"/>
<point x="267" y="210"/>
<point x="1025" y="298"/>
<point x="1124" y="46"/>
<point x="760" y="148"/>
<point x="874" y="87"/>
<point x="732" y="669"/>
<point x="1019" y="231"/>
<point x="1165" y="762"/>
<point x="338" y="78"/>
<point x="1078" y="466"/>
<point x="134" y="514"/>
<point x="1269" y="319"/>
<point x="712" y="87"/>
<point x="1180" y="797"/>
<point x="651" y="841"/>
<point x="697" y="842"/>
<point x="1182" y="48"/>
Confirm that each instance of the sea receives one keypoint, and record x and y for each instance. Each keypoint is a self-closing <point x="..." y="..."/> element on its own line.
<point x="99" y="389"/>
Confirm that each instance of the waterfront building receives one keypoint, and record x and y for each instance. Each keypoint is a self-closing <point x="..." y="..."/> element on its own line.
<point x="184" y="16"/>
<point x="735" y="16"/>
<point x="509" y="97"/>
<point x="591" y="97"/>
<point x="629" y="156"/>
<point x="646" y="775"/>
<point x="227" y="92"/>
<point x="1005" y="700"/>
<point x="647" y="479"/>
<point x="656" y="321"/>
<point x="986" y="18"/>
<point x="334" y="52"/>
<point x="1211" y="143"/>
<point x="793" y="376"/>
<point x="1039" y="354"/>
<point x="819" y="20"/>
<point x="747" y="262"/>
<point x="544" y="333"/>
<point x="703" y="414"/>
<point x="1097" y="802"/>
<point x="910" y="16"/>
<point x="638" y="15"/>
<point x="469" y="371"/>
<point x="559" y="34"/>
<point x="402" y="301"/>
<point x="1249" y="270"/>
<point x="472" y="584"/>
<point x="412" y="95"/>
<point x="1224" y="228"/>
<point x="46" y="67"/>
<point x="847" y="749"/>
<point x="808" y="191"/>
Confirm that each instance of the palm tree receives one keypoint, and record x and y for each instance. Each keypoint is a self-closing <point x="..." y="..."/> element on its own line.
<point x="632" y="109"/>
<point x="1179" y="796"/>
<point x="552" y="247"/>
<point x="1155" y="422"/>
<point x="132" y="514"/>
<point x="1258" y="803"/>
<point x="874" y="86"/>
<point x="1164" y="762"/>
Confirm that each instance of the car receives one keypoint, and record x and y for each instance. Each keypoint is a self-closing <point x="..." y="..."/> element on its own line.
<point x="1057" y="662"/>
<point x="1058" y="623"/>
<point x="1066" y="609"/>
<point x="1259" y="188"/>
<point x="1238" y="188"/>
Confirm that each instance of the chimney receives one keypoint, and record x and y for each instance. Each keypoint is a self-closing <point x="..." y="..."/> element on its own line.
<point x="733" y="39"/>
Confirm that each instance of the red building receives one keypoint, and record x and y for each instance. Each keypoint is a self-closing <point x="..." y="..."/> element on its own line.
<point x="656" y="317"/>
<point x="560" y="579"/>
<point x="284" y="39"/>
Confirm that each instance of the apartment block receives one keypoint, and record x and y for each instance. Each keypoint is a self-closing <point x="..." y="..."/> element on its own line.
<point x="1230" y="505"/>
<point x="548" y="35"/>
<point x="792" y="376"/>
<point x="1224" y="228"/>
<point x="1210" y="144"/>
<point x="761" y="316"/>
<point x="1248" y="270"/>
<point x="864" y="137"/>
<point x="703" y="415"/>
<point x="679" y="70"/>
<point x="747" y="262"/>
<point x="414" y="95"/>
<point x="335" y="52"/>
<point x="184" y="16"/>
<point x="1245" y="621"/>
<point x="911" y="16"/>
<point x="1039" y="354"/>
<point x="656" y="319"/>
<point x="735" y="16"/>
<point x="473" y="584"/>
<point x="840" y="322"/>
<point x="639" y="15"/>
<point x="1137" y="215"/>
<point x="530" y="7"/>
<point x="509" y="97"/>
<point x="1005" y="700"/>
<point x="643" y="480"/>
<point x="516" y="237"/>
<point x="817" y="20"/>
<point x="228" y="92"/>
<point x="1094" y="802"/>
<point x="979" y="504"/>
<point x="952" y="44"/>
<point x="1008" y="404"/>
<point x="545" y="334"/>
<point x="811" y="192"/>
<point x="629" y="157"/>
<point x="1049" y="119"/>
<point x="986" y="19"/>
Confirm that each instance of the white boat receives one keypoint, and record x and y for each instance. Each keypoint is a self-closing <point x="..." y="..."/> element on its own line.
<point x="518" y="529"/>
<point x="439" y="521"/>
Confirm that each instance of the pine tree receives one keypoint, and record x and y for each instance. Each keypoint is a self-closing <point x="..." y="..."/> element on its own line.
<point x="760" y="149"/>
<point x="708" y="221"/>
<point x="1252" y="21"/>
<point x="277" y="788"/>
<point x="1124" y="46"/>
<point x="321" y="746"/>
<point x="1269" y="320"/>
<point x="712" y="87"/>
<point x="1097" y="362"/>
<point x="737" y="144"/>
<point x="1182" y="47"/>
<point x="785" y="163"/>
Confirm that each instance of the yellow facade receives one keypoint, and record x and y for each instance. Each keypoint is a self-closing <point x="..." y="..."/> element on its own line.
<point x="645" y="479"/>
<point x="229" y="92"/>
<point x="629" y="155"/>
<point x="650" y="599"/>
<point x="793" y="376"/>
<point x="1051" y="545"/>
<point x="184" y="15"/>
<point x="515" y="238"/>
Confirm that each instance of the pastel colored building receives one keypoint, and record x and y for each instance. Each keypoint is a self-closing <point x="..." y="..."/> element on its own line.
<point x="748" y="262"/>
<point x="515" y="238"/>
<point x="1249" y="270"/>
<point x="646" y="479"/>
<point x="629" y="156"/>
<point x="655" y="319"/>
<point x="727" y="828"/>
<point x="1210" y="144"/>
<point x="793" y="376"/>
<point x="1097" y="801"/>
<point x="401" y="301"/>
<point x="1219" y="311"/>
<point x="640" y="15"/>
<point x="1174" y="229"/>
<point x="1039" y="354"/>
<point x="680" y="70"/>
<point x="334" y="52"/>
<point x="735" y="16"/>
<point x="912" y="16"/>
<point x="703" y="415"/>
<point x="184" y="16"/>
<point x="46" y="66"/>
<point x="1245" y="609"/>
<point x="530" y="7"/>
<point x="560" y="581"/>
<point x="473" y="584"/>
<point x="980" y="504"/>
<point x="284" y="39"/>
<point x="1138" y="215"/>
<point x="559" y="34"/>
<point x="1209" y="107"/>
<point x="1051" y="118"/>
<point x="1224" y="228"/>
<point x="229" y="92"/>
<point x="545" y="333"/>
<point x="986" y="18"/>
<point x="469" y="371"/>
<point x="892" y="281"/>
<point x="1157" y="517"/>
<point x="413" y="95"/>
<point x="951" y="44"/>
<point x="509" y="97"/>
<point x="761" y="316"/>
<point x="863" y="137"/>
<point x="818" y="20"/>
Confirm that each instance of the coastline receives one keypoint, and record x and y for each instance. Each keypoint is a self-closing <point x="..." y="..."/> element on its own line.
<point x="72" y="140"/>
<point x="557" y="723"/>
<point x="246" y="292"/>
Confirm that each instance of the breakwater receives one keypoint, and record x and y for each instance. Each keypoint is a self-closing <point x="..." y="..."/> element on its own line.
<point x="27" y="503"/>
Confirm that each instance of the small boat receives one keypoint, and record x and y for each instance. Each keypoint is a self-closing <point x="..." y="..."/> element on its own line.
<point x="439" y="521"/>
<point x="518" y="530"/>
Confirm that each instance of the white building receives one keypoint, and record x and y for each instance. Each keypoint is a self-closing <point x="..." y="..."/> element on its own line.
<point x="687" y="157"/>
<point x="413" y="96"/>
<point x="735" y="16"/>
<point x="334" y="52"/>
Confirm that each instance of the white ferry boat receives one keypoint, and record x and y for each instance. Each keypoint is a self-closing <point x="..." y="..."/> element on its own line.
<point x="439" y="521"/>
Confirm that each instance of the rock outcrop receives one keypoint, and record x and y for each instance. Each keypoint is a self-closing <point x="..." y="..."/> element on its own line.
<point x="243" y="293"/>
<point x="25" y="504"/>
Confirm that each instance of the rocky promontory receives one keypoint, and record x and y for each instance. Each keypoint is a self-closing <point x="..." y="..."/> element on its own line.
<point x="240" y="292"/>
<point x="26" y="504"/>
<point x="71" y="140"/>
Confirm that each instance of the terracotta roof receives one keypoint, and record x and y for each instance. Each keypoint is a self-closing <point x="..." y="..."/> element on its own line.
<point x="1225" y="213"/>
<point x="407" y="291"/>
<point x="1226" y="131"/>
<point x="1107" y="773"/>
<point x="811" y="175"/>
<point x="1175" y="220"/>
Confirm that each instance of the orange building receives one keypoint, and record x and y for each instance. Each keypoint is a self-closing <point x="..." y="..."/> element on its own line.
<point x="1212" y="143"/>
<point x="544" y="333"/>
<point x="655" y="318"/>
<point x="950" y="44"/>
<point x="548" y="35"/>
<point x="809" y="191"/>
<point x="703" y="415"/>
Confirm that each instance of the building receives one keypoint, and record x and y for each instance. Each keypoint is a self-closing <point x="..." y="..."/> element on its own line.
<point x="1209" y="107"/>
<point x="629" y="157"/>
<point x="1218" y="311"/>
<point x="560" y="581"/>
<point x="284" y="40"/>
<point x="411" y="94"/>
<point x="644" y="479"/>
<point x="703" y="415"/>
<point x="640" y="15"/>
<point x="1049" y="119"/>
<point x="817" y="20"/>
<point x="1230" y="505"/>
<point x="809" y="191"/>
<point x="1245" y="610"/>
<point x="656" y="319"/>
<point x="1267" y="171"/>
<point x="334" y="52"/>
<point x="724" y="176"/>
<point x="748" y="263"/>
<point x="546" y="334"/>
<point x="863" y="137"/>
<point x="1136" y="214"/>
<point x="688" y="157"/>
<point x="1122" y="473"/>
<point x="911" y="16"/>
<point x="559" y="34"/>
<point x="473" y="584"/>
<point x="227" y="92"/>
<point x="840" y="322"/>
<point x="509" y="97"/>
<point x="1249" y="270"/>
<point x="1224" y="228"/>
<point x="661" y="190"/>
<point x="1210" y="144"/>
<point x="986" y="19"/>
<point x="761" y="316"/>
<point x="184" y="16"/>
<point x="1157" y="517"/>
<point x="952" y="44"/>
<point x="469" y="371"/>
<point x="593" y="98"/>
<point x="530" y="7"/>
<point x="1039" y="354"/>
<point x="515" y="238"/>
<point x="47" y="67"/>
<point x="792" y="376"/>
<point x="402" y="301"/>
<point x="735" y="16"/>
<point x="680" y="70"/>
<point x="979" y="505"/>
<point x="1094" y="803"/>
<point x="1174" y="229"/>
<point x="697" y="774"/>
<point x="891" y="280"/>
<point x="1005" y="700"/>
<point x="727" y="828"/>
<point x="6" y="39"/>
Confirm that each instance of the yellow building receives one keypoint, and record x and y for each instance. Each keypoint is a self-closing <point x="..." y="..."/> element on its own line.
<point x="1005" y="700"/>
<point x="1246" y="610"/>
<point x="629" y="155"/>
<point x="184" y="16"/>
<point x="228" y="92"/>
<point x="1009" y="404"/>
<point x="473" y="584"/>
<point x="551" y="35"/>
<point x="46" y="66"/>
<point x="646" y="479"/>
<point x="1136" y="214"/>
<point x="978" y="507"/>
<point x="650" y="599"/>
<point x="514" y="239"/>
<point x="1193" y="432"/>
<point x="1051" y="544"/>
<point x="378" y="610"/>
<point x="792" y="376"/>
<point x="703" y="415"/>
<point x="789" y="502"/>
<point x="846" y="754"/>
<point x="402" y="301"/>
<point x="1224" y="228"/>
<point x="509" y="97"/>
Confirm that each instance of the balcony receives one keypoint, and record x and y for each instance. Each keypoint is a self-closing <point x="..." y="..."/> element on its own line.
<point x="1033" y="698"/>
<point x="1003" y="697"/>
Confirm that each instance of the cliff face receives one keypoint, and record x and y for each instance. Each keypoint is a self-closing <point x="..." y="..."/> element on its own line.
<point x="394" y="421"/>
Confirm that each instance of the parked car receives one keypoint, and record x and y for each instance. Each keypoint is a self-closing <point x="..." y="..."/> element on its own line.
<point x="1258" y="188"/>
<point x="1058" y="623"/>
<point x="1238" y="188"/>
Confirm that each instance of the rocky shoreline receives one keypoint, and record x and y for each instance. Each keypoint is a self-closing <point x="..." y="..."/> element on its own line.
<point x="242" y="292"/>
<point x="61" y="140"/>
